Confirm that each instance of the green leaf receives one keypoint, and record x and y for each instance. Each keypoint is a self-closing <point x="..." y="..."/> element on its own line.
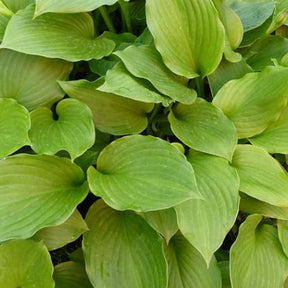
<point x="261" y="97"/>
<point x="122" y="250"/>
<point x="37" y="86"/>
<point x="49" y="136"/>
<point x="146" y="62"/>
<point x="55" y="237"/>
<point x="180" y="36"/>
<point x="200" y="124"/>
<point x="15" y="5"/>
<point x="205" y="223"/>
<point x="25" y="263"/>
<point x="187" y="268"/>
<point x="163" y="221"/>
<point x="138" y="179"/>
<point x="111" y="113"/>
<point x="283" y="234"/>
<point x="37" y="191"/>
<point x="257" y="259"/>
<point x="68" y="6"/>
<point x="224" y="268"/>
<point x="268" y="184"/>
<point x="5" y="15"/>
<point x="70" y="275"/>
<point x="66" y="36"/>
<point x="15" y="123"/>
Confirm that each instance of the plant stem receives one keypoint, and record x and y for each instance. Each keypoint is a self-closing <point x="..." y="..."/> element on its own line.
<point x="126" y="14"/>
<point x="96" y="17"/>
<point x="154" y="112"/>
<point x="107" y="19"/>
<point x="200" y="87"/>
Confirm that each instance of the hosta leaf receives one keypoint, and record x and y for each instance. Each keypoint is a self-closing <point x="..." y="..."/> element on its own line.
<point x="122" y="250"/>
<point x="37" y="86"/>
<point x="66" y="36"/>
<point x="15" y="5"/>
<point x="56" y="237"/>
<point x="111" y="113"/>
<point x="68" y="6"/>
<point x="205" y="223"/>
<point x="15" y="123"/>
<point x="225" y="272"/>
<point x="70" y="275"/>
<point x="254" y="101"/>
<point x="25" y="263"/>
<point x="37" y="191"/>
<point x="200" y="124"/>
<point x="128" y="182"/>
<point x="187" y="268"/>
<point x="49" y="136"/>
<point x="146" y="62"/>
<point x="5" y="15"/>
<point x="283" y="234"/>
<point x="163" y="221"/>
<point x="257" y="259"/>
<point x="180" y="37"/>
<point x="120" y="82"/>
<point x="268" y="184"/>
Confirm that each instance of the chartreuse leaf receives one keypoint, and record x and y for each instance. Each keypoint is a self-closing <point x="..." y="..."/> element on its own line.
<point x="253" y="102"/>
<point x="163" y="221"/>
<point x="111" y="113"/>
<point x="15" y="123"/>
<point x="124" y="180"/>
<point x="37" y="191"/>
<point x="70" y="275"/>
<point x="122" y="250"/>
<point x="73" y="131"/>
<point x="200" y="124"/>
<point x="56" y="237"/>
<point x="268" y="184"/>
<point x="15" y="5"/>
<point x="205" y="223"/>
<point x="283" y="234"/>
<point x="37" y="86"/>
<point x="146" y="62"/>
<point x="180" y="37"/>
<point x="68" y="6"/>
<point x="66" y="36"/>
<point x="25" y="263"/>
<point x="256" y="258"/>
<point x="187" y="268"/>
<point x="5" y="15"/>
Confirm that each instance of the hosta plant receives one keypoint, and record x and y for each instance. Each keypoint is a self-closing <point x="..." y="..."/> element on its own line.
<point x="143" y="143"/>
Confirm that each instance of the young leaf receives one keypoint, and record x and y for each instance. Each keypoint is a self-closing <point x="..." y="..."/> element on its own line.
<point x="66" y="36"/>
<point x="15" y="123"/>
<point x="58" y="236"/>
<point x="111" y="113"/>
<point x="261" y="176"/>
<point x="132" y="174"/>
<point x="205" y="223"/>
<point x="146" y="62"/>
<point x="37" y="191"/>
<point x="49" y="136"/>
<point x="187" y="268"/>
<point x="25" y="263"/>
<point x="180" y="37"/>
<point x="256" y="258"/>
<point x="200" y="124"/>
<point x="37" y="86"/>
<point x="253" y="102"/>
<point x="122" y="250"/>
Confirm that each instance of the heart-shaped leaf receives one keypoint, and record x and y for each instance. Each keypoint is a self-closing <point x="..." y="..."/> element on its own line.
<point x="257" y="259"/>
<point x="15" y="123"/>
<point x="200" y="124"/>
<point x="187" y="268"/>
<point x="49" y="136"/>
<point x="37" y="191"/>
<point x="254" y="101"/>
<point x="132" y="174"/>
<point x="122" y="242"/>
<point x="66" y="36"/>
<point x="180" y="37"/>
<point x="25" y="263"/>
<point x="269" y="184"/>
<point x="37" y="86"/>
<point x="205" y="223"/>
<point x="111" y="113"/>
